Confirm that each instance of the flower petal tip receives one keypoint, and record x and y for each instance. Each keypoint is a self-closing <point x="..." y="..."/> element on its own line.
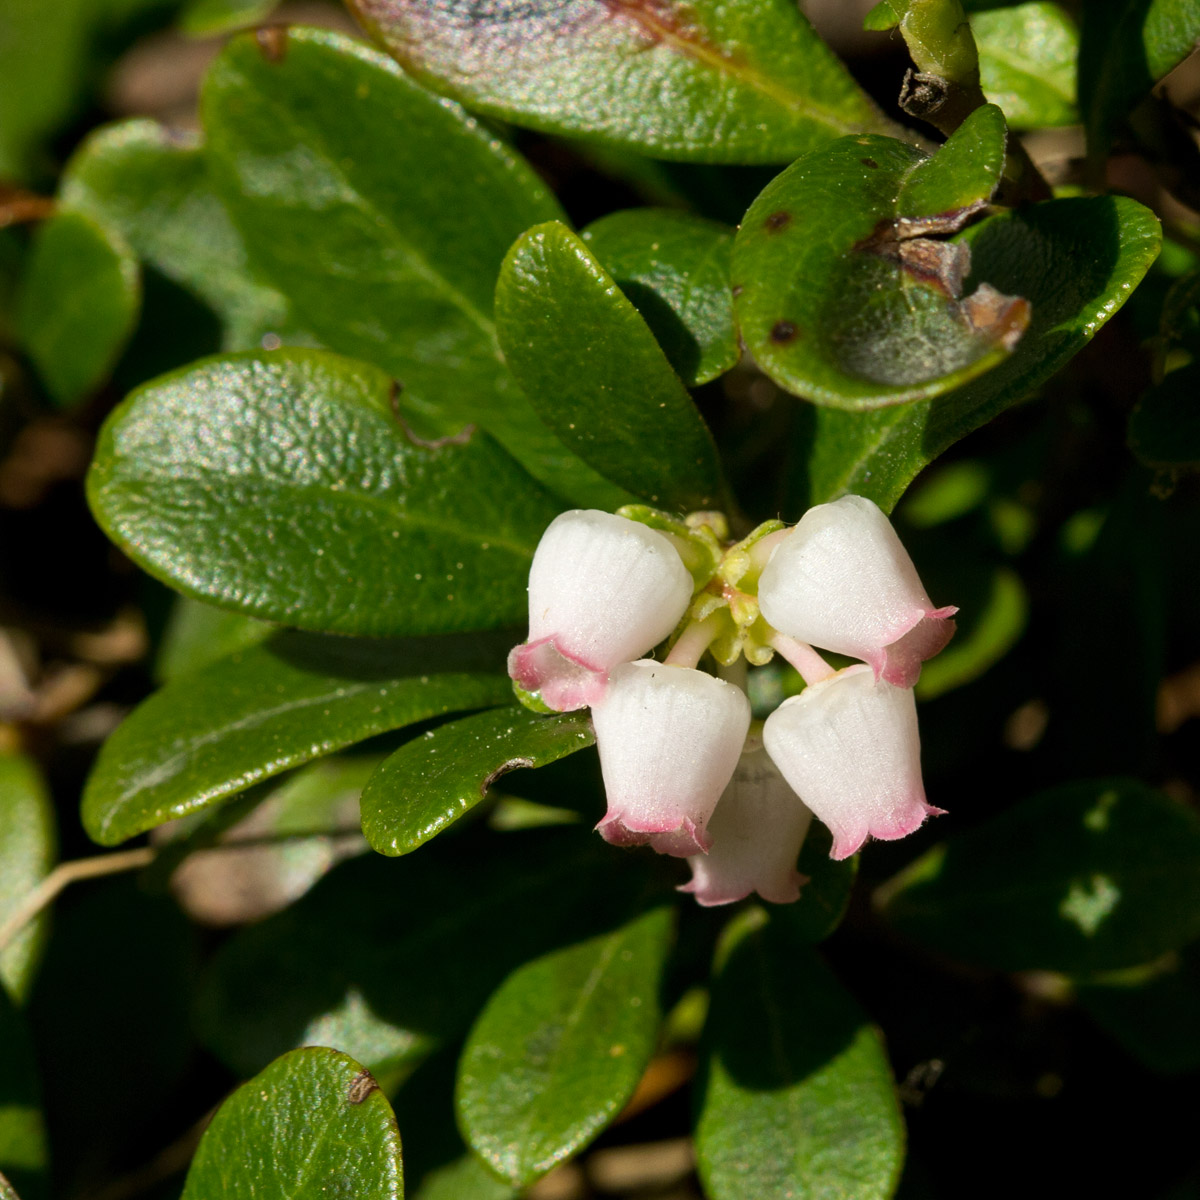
<point x="679" y="841"/>
<point x="563" y="683"/>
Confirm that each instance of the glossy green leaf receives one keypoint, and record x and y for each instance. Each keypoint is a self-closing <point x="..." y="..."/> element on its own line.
<point x="27" y="852"/>
<point x="152" y="185"/>
<point x="1086" y="877"/>
<point x="197" y="635"/>
<point x="560" y="1047"/>
<point x="389" y="959"/>
<point x="385" y="232"/>
<point x="747" y="81"/>
<point x="314" y="1123"/>
<point x="287" y="487"/>
<point x="432" y="781"/>
<point x="798" y="1099"/>
<point x="464" y="1179"/>
<point x="24" y="1154"/>
<point x="594" y="372"/>
<point x="1126" y="46"/>
<point x="840" y="293"/>
<point x="78" y="304"/>
<point x="1076" y="261"/>
<point x="1164" y="427"/>
<point x="674" y="268"/>
<point x="205" y="18"/>
<point x="1027" y="63"/>
<point x="220" y="729"/>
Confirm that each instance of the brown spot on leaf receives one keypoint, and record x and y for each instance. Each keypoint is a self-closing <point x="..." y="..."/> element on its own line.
<point x="1000" y="318"/>
<point x="503" y="769"/>
<point x="778" y="221"/>
<point x="272" y="41"/>
<point x="361" y="1086"/>
<point x="738" y="289"/>
<point x="869" y="162"/>
<point x="940" y="265"/>
<point x="783" y="332"/>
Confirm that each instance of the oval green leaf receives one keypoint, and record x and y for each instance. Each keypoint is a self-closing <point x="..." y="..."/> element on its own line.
<point x="560" y="1047"/>
<point x="592" y="369"/>
<point x="78" y="304"/>
<point x="314" y="1123"/>
<point x="846" y="292"/>
<point x="28" y="847"/>
<point x="674" y="268"/>
<point x="432" y="781"/>
<point x="799" y="1099"/>
<point x="287" y="487"/>
<point x="217" y="730"/>
<point x="152" y="185"/>
<point x="386" y="232"/>
<point x="205" y="18"/>
<point x="711" y="81"/>
<point x="1109" y="877"/>
<point x="197" y="635"/>
<point x="1077" y="261"/>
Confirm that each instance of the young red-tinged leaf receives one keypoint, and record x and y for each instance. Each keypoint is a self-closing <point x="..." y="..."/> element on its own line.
<point x="747" y="81"/>
<point x="314" y="1123"/>
<point x="560" y="1047"/>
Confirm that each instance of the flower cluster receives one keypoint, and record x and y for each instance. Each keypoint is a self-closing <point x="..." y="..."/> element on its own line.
<point x="683" y="770"/>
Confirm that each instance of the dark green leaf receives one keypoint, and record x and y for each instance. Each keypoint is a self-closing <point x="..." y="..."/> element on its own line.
<point x="23" y="1150"/>
<point x="1126" y="47"/>
<point x="593" y="371"/>
<point x="560" y="1047"/>
<point x="799" y="1099"/>
<point x="197" y="635"/>
<point x="204" y="18"/>
<point x="385" y="232"/>
<point x="1164" y="428"/>
<point x="314" y="1123"/>
<point x="1152" y="1014"/>
<point x="674" y="268"/>
<point x="1087" y="877"/>
<point x="434" y="780"/>
<point x="78" y="304"/>
<point x="826" y="896"/>
<point x="748" y="81"/>
<point x="464" y="1179"/>
<point x="152" y="185"/>
<point x="389" y="959"/>
<point x="220" y="729"/>
<point x="1076" y="261"/>
<point x="27" y="852"/>
<point x="840" y="293"/>
<point x="1027" y="63"/>
<point x="286" y="486"/>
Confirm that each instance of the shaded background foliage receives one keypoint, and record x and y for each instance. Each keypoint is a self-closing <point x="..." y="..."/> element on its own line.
<point x="1030" y="960"/>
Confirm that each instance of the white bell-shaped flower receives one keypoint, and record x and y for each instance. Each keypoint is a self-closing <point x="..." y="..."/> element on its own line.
<point x="757" y="831"/>
<point x="850" y="748"/>
<point x="842" y="580"/>
<point x="669" y="739"/>
<point x="602" y="590"/>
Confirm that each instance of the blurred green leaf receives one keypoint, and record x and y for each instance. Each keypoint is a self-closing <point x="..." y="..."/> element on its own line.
<point x="1027" y="63"/>
<point x="385" y="232"/>
<point x="825" y="897"/>
<point x="313" y="1123"/>
<point x="323" y="512"/>
<point x="1153" y="1014"/>
<point x="1164" y="427"/>
<point x="433" y="780"/>
<point x="1086" y="877"/>
<point x="24" y="1154"/>
<point x="152" y="185"/>
<point x="388" y="960"/>
<point x="78" y="304"/>
<point x="220" y="729"/>
<point x="464" y="1179"/>
<point x="595" y="374"/>
<point x="205" y="18"/>
<point x="674" y="268"/>
<point x="798" y="1098"/>
<point x="1126" y="46"/>
<point x="197" y="635"/>
<point x="27" y="852"/>
<point x="560" y="1047"/>
<point x="1076" y="261"/>
<point x="748" y="81"/>
<point x="842" y="295"/>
